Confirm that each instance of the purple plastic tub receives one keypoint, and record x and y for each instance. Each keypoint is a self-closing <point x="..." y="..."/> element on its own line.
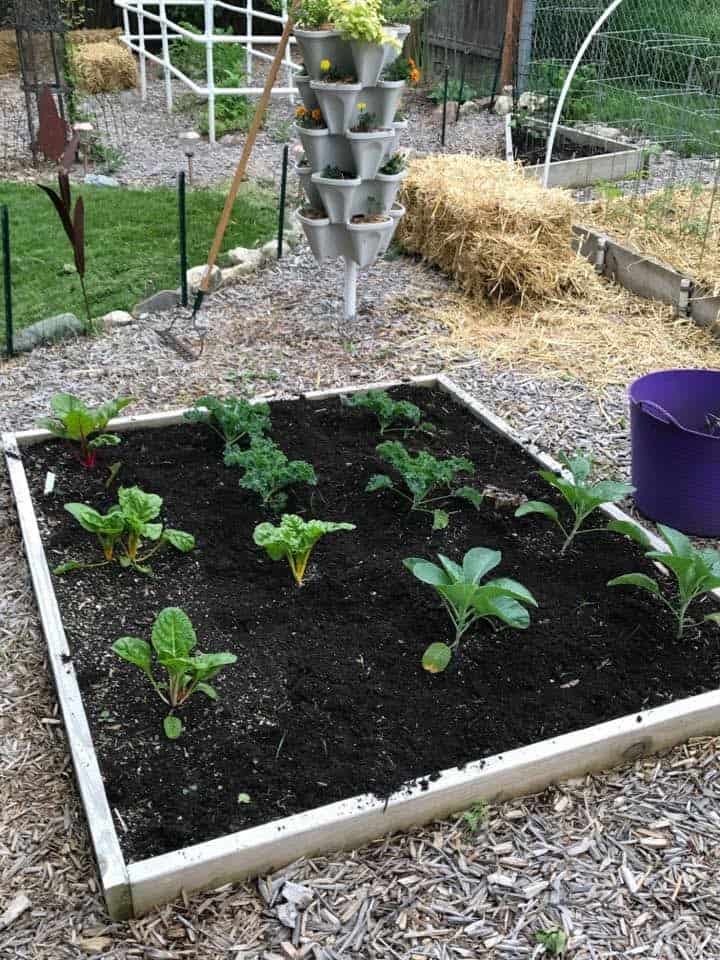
<point x="675" y="428"/>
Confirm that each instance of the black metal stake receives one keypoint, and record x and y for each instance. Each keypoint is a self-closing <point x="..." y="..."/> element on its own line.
<point x="461" y="91"/>
<point x="182" y="223"/>
<point x="445" y="101"/>
<point x="7" y="280"/>
<point x="283" y="191"/>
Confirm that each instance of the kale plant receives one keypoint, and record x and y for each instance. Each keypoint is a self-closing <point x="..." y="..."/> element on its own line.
<point x="231" y="419"/>
<point x="268" y="472"/>
<point x="294" y="539"/>
<point x="467" y="601"/>
<point x="386" y="410"/>
<point x="123" y="530"/>
<point x="78" y="423"/>
<point x="423" y="475"/>
<point x="173" y="639"/>
<point x="582" y="497"/>
<point x="697" y="572"/>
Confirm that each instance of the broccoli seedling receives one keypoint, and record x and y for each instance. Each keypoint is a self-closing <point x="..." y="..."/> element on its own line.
<point x="386" y="410"/>
<point x="173" y="638"/>
<point x="232" y="418"/>
<point x="294" y="539"/>
<point x="268" y="472"/>
<point x="73" y="420"/>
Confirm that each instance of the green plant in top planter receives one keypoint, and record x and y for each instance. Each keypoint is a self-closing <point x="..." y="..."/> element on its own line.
<point x="466" y="600"/>
<point x="403" y="11"/>
<point x="360" y="23"/>
<point x="294" y="540"/>
<point x="173" y="639"/>
<point x="696" y="572"/>
<point x="74" y="421"/>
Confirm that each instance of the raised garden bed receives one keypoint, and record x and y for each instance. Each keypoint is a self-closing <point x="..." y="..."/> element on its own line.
<point x="327" y="700"/>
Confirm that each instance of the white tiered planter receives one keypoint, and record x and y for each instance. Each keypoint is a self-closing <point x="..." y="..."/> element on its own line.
<point x="366" y="239"/>
<point x="388" y="186"/>
<point x="312" y="194"/>
<point x="337" y="196"/>
<point x="338" y="102"/>
<point x="325" y="241"/>
<point x="319" y="45"/>
<point x="369" y="59"/>
<point x="368" y="151"/>
<point x="310" y="101"/>
<point x="400" y="32"/>
<point x="397" y="212"/>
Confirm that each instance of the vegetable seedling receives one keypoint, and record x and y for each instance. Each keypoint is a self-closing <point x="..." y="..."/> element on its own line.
<point x="467" y="601"/>
<point x="173" y="638"/>
<point x="696" y="572"/>
<point x="423" y="475"/>
<point x="582" y="497"/>
<point x="554" y="941"/>
<point x="78" y="423"/>
<point x="386" y="410"/>
<point x="294" y="540"/>
<point x="231" y="419"/>
<point x="476" y="816"/>
<point x="123" y="529"/>
<point x="268" y="472"/>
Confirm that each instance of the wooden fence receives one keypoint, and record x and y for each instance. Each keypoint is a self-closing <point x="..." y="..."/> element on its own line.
<point x="466" y="29"/>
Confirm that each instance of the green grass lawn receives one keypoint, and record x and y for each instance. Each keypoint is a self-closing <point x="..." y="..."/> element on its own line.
<point x="131" y="244"/>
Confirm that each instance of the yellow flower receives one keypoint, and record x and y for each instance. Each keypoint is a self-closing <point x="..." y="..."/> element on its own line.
<point x="324" y="65"/>
<point x="362" y="106"/>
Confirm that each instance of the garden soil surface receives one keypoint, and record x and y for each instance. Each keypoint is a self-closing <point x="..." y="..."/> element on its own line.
<point x="328" y="700"/>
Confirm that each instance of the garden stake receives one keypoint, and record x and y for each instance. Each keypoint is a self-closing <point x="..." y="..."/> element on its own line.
<point x="445" y="96"/>
<point x="462" y="87"/>
<point x="182" y="224"/>
<point x="5" y="219"/>
<point x="283" y="189"/>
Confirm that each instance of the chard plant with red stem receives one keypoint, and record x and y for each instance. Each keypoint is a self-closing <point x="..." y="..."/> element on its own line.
<point x="78" y="423"/>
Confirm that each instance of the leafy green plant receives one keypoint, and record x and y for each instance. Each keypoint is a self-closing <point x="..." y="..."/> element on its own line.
<point x="233" y="113"/>
<point x="423" y="475"/>
<point x="333" y="172"/>
<point x="387" y="411"/>
<point x="229" y="59"/>
<point x="438" y="91"/>
<point x="582" y="497"/>
<point x="311" y="14"/>
<point x="366" y="122"/>
<point x="173" y="639"/>
<point x="696" y="572"/>
<point x="467" y="601"/>
<point x="123" y="530"/>
<point x="403" y="11"/>
<point x="294" y="540"/>
<point x="360" y="20"/>
<point x="231" y="418"/>
<point x="268" y="472"/>
<point x="554" y="941"/>
<point x="394" y="165"/>
<point x="476" y="816"/>
<point x="402" y="68"/>
<point x="74" y="421"/>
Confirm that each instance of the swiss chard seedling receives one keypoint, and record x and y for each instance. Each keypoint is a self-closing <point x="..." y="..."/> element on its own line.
<point x="72" y="420"/>
<point x="294" y="539"/>
<point x="390" y="414"/>
<point x="232" y="419"/>
<point x="696" y="572"/>
<point x="581" y="497"/>
<point x="173" y="640"/>
<point x="466" y="600"/>
<point x="268" y="472"/>
<point x="123" y="530"/>
<point x="427" y="480"/>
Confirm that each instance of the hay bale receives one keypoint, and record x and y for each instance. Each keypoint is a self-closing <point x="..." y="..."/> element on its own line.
<point x="499" y="233"/>
<point x="81" y="38"/>
<point x="104" y="67"/>
<point x="8" y="53"/>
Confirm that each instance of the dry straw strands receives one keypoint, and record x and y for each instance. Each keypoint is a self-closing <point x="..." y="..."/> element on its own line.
<point x="499" y="233"/>
<point x="104" y="67"/>
<point x="8" y="52"/>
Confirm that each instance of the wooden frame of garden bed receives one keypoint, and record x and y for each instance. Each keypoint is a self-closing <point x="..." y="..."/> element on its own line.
<point x="131" y="889"/>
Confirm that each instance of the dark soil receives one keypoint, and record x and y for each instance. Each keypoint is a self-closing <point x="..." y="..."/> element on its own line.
<point x="328" y="699"/>
<point x="529" y="147"/>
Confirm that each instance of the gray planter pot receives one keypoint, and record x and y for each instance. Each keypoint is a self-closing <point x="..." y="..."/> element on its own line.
<point x="312" y="194"/>
<point x="400" y="31"/>
<point x="397" y="212"/>
<point x="399" y="127"/>
<point x="368" y="151"/>
<point x="387" y="188"/>
<point x="369" y="59"/>
<point x="388" y="96"/>
<point x="338" y="102"/>
<point x="366" y="239"/>
<point x="316" y="144"/>
<point x="318" y="45"/>
<point x="326" y="241"/>
<point x="310" y="101"/>
<point x="337" y="196"/>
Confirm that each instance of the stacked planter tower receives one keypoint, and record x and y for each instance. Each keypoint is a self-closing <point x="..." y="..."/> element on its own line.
<point x="356" y="215"/>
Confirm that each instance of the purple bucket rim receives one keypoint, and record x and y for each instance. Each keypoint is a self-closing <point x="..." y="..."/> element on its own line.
<point x="657" y="373"/>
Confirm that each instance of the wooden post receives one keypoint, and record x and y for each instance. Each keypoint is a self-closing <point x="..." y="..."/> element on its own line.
<point x="509" y="54"/>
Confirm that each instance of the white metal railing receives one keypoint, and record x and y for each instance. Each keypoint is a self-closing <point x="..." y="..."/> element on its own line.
<point x="137" y="39"/>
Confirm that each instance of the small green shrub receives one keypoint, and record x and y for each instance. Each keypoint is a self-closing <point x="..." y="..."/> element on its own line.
<point x="438" y="91"/>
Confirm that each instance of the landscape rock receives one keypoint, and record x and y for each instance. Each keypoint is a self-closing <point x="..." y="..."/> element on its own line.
<point x="231" y="274"/>
<point x="100" y="180"/>
<point x="245" y="256"/>
<point x="190" y="135"/>
<point x="503" y="106"/>
<point x="269" y="250"/>
<point x="287" y="914"/>
<point x="531" y="101"/>
<point x="159" y="302"/>
<point x="55" y="328"/>
<point x="297" y="894"/>
<point x="117" y="318"/>
<point x="196" y="274"/>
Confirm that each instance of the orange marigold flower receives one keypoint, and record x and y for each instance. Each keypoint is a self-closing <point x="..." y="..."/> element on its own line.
<point x="412" y="63"/>
<point x="415" y="75"/>
<point x="300" y="111"/>
<point x="316" y="115"/>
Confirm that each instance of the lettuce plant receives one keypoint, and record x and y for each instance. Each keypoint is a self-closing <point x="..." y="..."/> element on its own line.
<point x="424" y="475"/>
<point x="582" y="497"/>
<point x="173" y="639"/>
<point x="231" y="419"/>
<point x="294" y="539"/>
<point x="123" y="530"/>
<point x="386" y="410"/>
<point x="78" y="423"/>
<point x="696" y="572"/>
<point x="466" y="600"/>
<point x="268" y="472"/>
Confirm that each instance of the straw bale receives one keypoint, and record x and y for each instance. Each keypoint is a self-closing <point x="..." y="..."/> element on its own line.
<point x="104" y="67"/>
<point x="80" y="38"/>
<point x="8" y="52"/>
<point x="499" y="233"/>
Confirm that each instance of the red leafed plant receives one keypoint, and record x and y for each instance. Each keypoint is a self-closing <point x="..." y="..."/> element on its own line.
<point x="73" y="222"/>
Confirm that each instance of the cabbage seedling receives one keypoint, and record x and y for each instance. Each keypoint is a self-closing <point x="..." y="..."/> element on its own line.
<point x="697" y="572"/>
<point x="423" y="475"/>
<point x="466" y="600"/>
<point x="268" y="472"/>
<point x="582" y="497"/>
<point x="232" y="418"/>
<point x="123" y="529"/>
<point x="173" y="638"/>
<point x="294" y="539"/>
<point x="78" y="423"/>
<point x="386" y="410"/>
